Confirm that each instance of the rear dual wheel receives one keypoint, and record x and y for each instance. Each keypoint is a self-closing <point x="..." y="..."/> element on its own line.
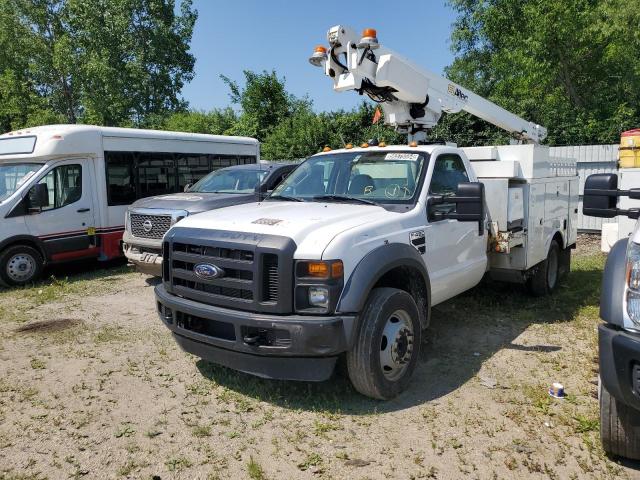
<point x="547" y="275"/>
<point x="385" y="354"/>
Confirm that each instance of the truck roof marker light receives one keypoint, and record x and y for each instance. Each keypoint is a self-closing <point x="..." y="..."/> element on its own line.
<point x="364" y="145"/>
<point x="413" y="144"/>
<point x="348" y="146"/>
<point x="369" y="38"/>
<point x="326" y="149"/>
<point x="382" y="144"/>
<point x="319" y="56"/>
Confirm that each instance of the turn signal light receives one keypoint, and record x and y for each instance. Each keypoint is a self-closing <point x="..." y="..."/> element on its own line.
<point x="321" y="269"/>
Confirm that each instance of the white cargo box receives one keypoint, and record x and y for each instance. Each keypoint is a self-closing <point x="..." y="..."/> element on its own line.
<point x="518" y="161"/>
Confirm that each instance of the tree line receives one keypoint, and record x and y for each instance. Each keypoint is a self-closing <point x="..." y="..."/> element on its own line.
<point x="571" y="66"/>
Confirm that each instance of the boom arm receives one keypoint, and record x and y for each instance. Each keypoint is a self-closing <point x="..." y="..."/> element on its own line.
<point x="414" y="97"/>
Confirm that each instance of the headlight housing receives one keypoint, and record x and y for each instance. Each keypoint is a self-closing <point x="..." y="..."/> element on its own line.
<point x="633" y="282"/>
<point x="318" y="285"/>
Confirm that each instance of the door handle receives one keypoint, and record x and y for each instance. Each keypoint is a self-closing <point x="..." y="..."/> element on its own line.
<point x="82" y="210"/>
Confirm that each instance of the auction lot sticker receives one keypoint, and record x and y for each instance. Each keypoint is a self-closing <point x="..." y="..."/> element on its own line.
<point x="402" y="156"/>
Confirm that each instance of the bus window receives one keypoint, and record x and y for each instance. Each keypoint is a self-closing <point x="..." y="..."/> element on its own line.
<point x="191" y="168"/>
<point x="121" y="186"/>
<point x="156" y="174"/>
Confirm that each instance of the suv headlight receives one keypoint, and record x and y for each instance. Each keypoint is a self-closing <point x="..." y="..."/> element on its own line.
<point x="633" y="282"/>
<point x="318" y="285"/>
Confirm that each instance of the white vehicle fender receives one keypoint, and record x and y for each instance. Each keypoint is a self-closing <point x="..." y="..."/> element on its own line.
<point x="380" y="261"/>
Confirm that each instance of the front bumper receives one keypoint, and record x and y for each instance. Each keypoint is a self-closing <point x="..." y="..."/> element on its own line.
<point x="145" y="254"/>
<point x="286" y="347"/>
<point x="620" y="364"/>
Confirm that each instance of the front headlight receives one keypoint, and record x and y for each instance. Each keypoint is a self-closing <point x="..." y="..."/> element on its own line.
<point x="633" y="282"/>
<point x="318" y="285"/>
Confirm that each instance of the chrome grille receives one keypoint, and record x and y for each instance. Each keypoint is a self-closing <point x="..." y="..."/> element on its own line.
<point x="149" y="226"/>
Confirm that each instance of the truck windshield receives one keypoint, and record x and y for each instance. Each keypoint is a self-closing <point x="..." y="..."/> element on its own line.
<point x="230" y="181"/>
<point x="370" y="177"/>
<point x="13" y="176"/>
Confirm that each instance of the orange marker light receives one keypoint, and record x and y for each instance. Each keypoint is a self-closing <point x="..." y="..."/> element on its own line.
<point x="369" y="32"/>
<point x="326" y="149"/>
<point x="382" y="144"/>
<point x="318" y="269"/>
<point x="348" y="145"/>
<point x="320" y="49"/>
<point x="337" y="269"/>
<point x="364" y="145"/>
<point x="413" y="144"/>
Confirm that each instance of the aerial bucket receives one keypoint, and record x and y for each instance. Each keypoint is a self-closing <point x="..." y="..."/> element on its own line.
<point x="630" y="149"/>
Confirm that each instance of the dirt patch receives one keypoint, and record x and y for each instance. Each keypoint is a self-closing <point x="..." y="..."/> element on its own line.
<point x="49" y="326"/>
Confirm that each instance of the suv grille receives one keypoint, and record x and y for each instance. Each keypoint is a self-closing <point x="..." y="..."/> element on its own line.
<point x="253" y="279"/>
<point x="149" y="226"/>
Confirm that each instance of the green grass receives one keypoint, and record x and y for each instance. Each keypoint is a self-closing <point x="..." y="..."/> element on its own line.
<point x="254" y="470"/>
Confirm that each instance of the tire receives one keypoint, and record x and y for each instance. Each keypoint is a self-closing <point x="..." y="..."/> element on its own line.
<point x="547" y="275"/>
<point x="619" y="427"/>
<point x="20" y="265"/>
<point x="379" y="366"/>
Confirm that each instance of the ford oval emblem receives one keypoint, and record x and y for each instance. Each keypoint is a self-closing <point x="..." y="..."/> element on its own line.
<point x="207" y="271"/>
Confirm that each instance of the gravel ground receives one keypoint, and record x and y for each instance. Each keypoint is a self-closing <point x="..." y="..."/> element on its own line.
<point x="92" y="385"/>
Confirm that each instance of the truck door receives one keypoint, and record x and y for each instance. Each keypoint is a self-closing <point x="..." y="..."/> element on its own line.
<point x="456" y="254"/>
<point x="66" y="225"/>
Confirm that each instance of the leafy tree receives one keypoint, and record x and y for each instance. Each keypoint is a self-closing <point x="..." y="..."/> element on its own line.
<point x="109" y="62"/>
<point x="264" y="103"/>
<point x="215" y="122"/>
<point x="571" y="66"/>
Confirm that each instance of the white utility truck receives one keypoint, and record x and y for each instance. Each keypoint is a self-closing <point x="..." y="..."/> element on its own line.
<point x="64" y="189"/>
<point x="350" y="252"/>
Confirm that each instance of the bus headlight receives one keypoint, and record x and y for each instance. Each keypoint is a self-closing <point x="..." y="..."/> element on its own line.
<point x="633" y="282"/>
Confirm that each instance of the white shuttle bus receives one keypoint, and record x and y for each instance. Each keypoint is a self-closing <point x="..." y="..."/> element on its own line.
<point x="64" y="189"/>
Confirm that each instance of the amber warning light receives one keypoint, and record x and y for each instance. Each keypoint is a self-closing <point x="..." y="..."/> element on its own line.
<point x="319" y="56"/>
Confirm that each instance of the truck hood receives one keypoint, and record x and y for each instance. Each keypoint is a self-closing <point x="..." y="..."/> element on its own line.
<point x="312" y="225"/>
<point x="194" y="202"/>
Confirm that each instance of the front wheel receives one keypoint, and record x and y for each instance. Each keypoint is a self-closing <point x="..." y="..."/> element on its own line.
<point x="20" y="265"/>
<point x="387" y="347"/>
<point x="619" y="426"/>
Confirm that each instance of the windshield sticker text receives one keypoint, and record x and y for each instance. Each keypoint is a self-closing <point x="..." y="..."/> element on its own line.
<point x="402" y="156"/>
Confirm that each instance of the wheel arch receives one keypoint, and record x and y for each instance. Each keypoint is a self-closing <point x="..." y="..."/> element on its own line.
<point x="27" y="240"/>
<point x="394" y="265"/>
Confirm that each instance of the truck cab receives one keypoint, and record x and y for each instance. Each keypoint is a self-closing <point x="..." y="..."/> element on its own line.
<point x="350" y="252"/>
<point x="619" y="335"/>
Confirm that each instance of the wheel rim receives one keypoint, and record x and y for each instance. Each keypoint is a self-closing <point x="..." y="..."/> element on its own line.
<point x="552" y="269"/>
<point x="21" y="267"/>
<point x="396" y="345"/>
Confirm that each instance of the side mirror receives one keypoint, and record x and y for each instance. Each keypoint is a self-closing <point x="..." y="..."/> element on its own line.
<point x="38" y="196"/>
<point x="601" y="197"/>
<point x="188" y="186"/>
<point x="469" y="204"/>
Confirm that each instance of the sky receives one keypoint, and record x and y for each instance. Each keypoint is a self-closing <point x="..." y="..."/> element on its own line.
<point x="232" y="36"/>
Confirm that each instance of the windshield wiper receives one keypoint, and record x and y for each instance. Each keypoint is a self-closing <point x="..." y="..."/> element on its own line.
<point x="284" y="197"/>
<point x="344" y="198"/>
